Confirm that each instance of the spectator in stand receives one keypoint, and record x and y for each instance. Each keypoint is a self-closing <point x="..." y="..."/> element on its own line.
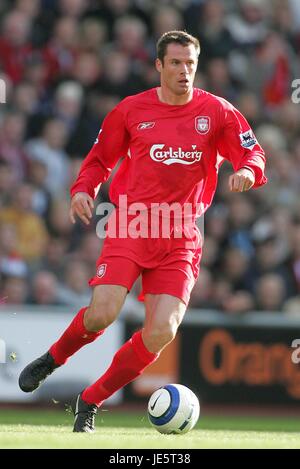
<point x="110" y="11"/>
<point x="211" y="253"/>
<point x="49" y="150"/>
<point x="26" y="99"/>
<point x="12" y="132"/>
<point x="87" y="69"/>
<point x="164" y="18"/>
<point x="270" y="71"/>
<point x="270" y="293"/>
<point x="241" y="215"/>
<point x="86" y="250"/>
<point x="267" y="260"/>
<point x="58" y="219"/>
<point x="235" y="267"/>
<point x="60" y="52"/>
<point x="6" y="182"/>
<point x="93" y="35"/>
<point x="292" y="306"/>
<point x="14" y="290"/>
<point x="240" y="301"/>
<point x="248" y="24"/>
<point x="203" y="291"/>
<point x="130" y="38"/>
<point x="44" y="290"/>
<point x="219" y="81"/>
<point x="30" y="228"/>
<point x="293" y="262"/>
<point x="15" y="46"/>
<point x="37" y="176"/>
<point x="54" y="258"/>
<point x="248" y="104"/>
<point x="73" y="290"/>
<point x="72" y="8"/>
<point x="11" y="264"/>
<point x="215" y="37"/>
<point x="118" y="79"/>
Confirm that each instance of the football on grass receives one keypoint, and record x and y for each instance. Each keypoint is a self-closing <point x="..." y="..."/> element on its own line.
<point x="174" y="408"/>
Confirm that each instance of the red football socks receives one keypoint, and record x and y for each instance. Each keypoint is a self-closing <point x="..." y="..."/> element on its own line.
<point x="74" y="337"/>
<point x="128" y="363"/>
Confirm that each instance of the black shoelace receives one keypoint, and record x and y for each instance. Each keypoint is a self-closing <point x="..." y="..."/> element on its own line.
<point x="89" y="417"/>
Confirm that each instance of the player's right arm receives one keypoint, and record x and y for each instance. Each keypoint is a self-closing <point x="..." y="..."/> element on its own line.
<point x="112" y="144"/>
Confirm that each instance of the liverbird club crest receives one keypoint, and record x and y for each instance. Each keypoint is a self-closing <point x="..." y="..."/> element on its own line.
<point x="202" y="124"/>
<point x="101" y="270"/>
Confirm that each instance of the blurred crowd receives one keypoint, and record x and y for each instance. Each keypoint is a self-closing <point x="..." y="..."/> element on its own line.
<point x="67" y="63"/>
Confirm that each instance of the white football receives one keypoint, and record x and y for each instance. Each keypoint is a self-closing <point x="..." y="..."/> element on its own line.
<point x="174" y="408"/>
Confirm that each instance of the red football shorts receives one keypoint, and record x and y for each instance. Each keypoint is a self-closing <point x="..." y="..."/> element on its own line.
<point x="167" y="265"/>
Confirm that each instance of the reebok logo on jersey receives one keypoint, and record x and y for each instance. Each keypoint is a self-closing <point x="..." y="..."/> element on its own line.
<point x="171" y="156"/>
<point x="97" y="139"/>
<point x="146" y="125"/>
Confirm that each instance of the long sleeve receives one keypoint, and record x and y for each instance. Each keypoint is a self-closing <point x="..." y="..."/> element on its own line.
<point x="111" y="145"/>
<point x="237" y="143"/>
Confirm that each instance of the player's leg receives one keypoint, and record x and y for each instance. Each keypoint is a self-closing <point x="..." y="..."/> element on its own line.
<point x="128" y="363"/>
<point x="89" y="323"/>
<point x="163" y="316"/>
<point x="167" y="291"/>
<point x="114" y="278"/>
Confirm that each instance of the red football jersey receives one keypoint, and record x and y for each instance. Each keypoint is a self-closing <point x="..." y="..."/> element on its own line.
<point x="171" y="153"/>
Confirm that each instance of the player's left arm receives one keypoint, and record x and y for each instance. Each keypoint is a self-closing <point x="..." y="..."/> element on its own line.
<point x="238" y="144"/>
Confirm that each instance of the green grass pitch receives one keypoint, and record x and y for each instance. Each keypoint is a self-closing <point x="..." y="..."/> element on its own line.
<point x="115" y="430"/>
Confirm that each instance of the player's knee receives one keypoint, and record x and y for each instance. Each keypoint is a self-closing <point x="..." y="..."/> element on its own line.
<point x="100" y="314"/>
<point x="157" y="338"/>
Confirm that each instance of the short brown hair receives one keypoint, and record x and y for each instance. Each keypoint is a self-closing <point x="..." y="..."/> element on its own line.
<point x="177" y="37"/>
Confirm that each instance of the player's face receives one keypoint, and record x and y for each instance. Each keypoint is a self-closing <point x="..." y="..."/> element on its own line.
<point x="178" y="68"/>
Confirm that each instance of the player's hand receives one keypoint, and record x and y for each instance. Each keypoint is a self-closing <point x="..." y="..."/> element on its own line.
<point x="82" y="205"/>
<point x="241" y="181"/>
